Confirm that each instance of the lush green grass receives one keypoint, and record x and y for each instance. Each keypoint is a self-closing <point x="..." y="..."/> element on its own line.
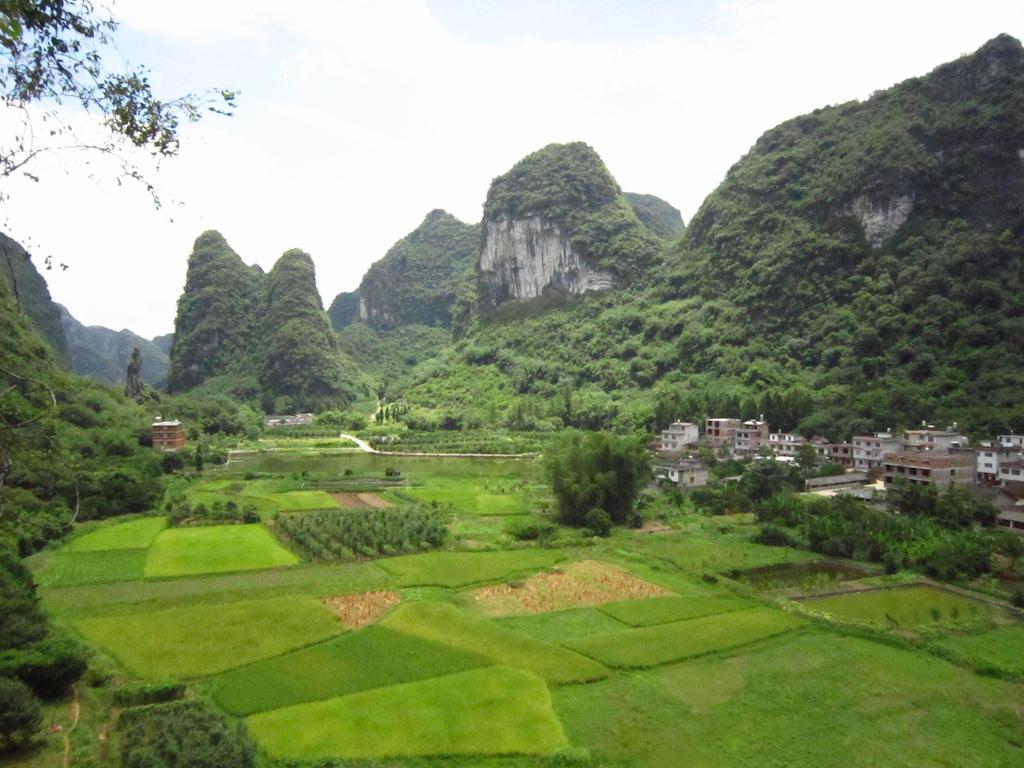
<point x="458" y="569"/>
<point x="663" y="610"/>
<point x="1001" y="650"/>
<point x="445" y="624"/>
<point x="263" y="505"/>
<point x="802" y="701"/>
<point x="472" y="498"/>
<point x="302" y="501"/>
<point x="915" y="606"/>
<point x="215" y="549"/>
<point x="69" y="568"/>
<point x="494" y="710"/>
<point x="127" y="598"/>
<point x="195" y="641"/>
<point x="558" y="626"/>
<point x="650" y="646"/>
<point x="373" y="657"/>
<point x="133" y="534"/>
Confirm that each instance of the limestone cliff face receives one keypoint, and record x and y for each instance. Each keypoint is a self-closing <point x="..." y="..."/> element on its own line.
<point x="528" y="257"/>
<point x="881" y="219"/>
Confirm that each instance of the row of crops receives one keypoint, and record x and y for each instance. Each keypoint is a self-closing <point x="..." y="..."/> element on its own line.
<point x="335" y="535"/>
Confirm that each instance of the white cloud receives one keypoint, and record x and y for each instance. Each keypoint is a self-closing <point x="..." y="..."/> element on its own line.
<point x="378" y="115"/>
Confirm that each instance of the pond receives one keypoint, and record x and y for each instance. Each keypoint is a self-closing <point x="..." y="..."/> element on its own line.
<point x="816" y="575"/>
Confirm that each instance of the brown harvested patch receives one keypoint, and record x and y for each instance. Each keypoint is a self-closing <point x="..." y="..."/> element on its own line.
<point x="588" y="582"/>
<point x="359" y="610"/>
<point x="654" y="526"/>
<point x="360" y="500"/>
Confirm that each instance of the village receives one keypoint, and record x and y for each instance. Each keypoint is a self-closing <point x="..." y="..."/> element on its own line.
<point x="871" y="464"/>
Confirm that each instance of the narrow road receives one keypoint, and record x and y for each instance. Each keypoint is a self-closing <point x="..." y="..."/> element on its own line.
<point x="362" y="444"/>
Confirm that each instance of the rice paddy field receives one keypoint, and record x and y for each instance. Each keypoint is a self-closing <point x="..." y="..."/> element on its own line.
<point x="644" y="649"/>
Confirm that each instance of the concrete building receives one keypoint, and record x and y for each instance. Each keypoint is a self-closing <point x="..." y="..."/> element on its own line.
<point x="786" y="444"/>
<point x="991" y="456"/>
<point x="1010" y="503"/>
<point x="1011" y="472"/>
<point x="721" y="432"/>
<point x="168" y="435"/>
<point x="750" y="437"/>
<point x="688" y="473"/>
<point x="931" y="439"/>
<point x="841" y="454"/>
<point x="291" y="420"/>
<point x="869" y="450"/>
<point x="928" y="468"/>
<point x="1011" y="441"/>
<point x="679" y="436"/>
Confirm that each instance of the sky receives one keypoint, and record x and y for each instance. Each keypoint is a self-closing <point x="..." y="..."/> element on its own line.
<point x="356" y="118"/>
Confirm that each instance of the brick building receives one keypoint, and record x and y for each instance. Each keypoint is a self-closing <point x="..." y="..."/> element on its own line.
<point x="721" y="432"/>
<point x="927" y="468"/>
<point x="168" y="435"/>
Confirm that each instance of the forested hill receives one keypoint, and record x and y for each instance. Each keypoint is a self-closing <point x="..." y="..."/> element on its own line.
<point x="859" y="268"/>
<point x="416" y="280"/>
<point x="660" y="217"/>
<point x="255" y="336"/>
<point x="31" y="295"/>
<point x="103" y="354"/>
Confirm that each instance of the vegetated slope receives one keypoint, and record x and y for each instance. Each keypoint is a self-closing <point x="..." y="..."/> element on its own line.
<point x="31" y="294"/>
<point x="258" y="337"/>
<point x="102" y="354"/>
<point x="660" y="217"/>
<point x="859" y="268"/>
<point x="416" y="281"/>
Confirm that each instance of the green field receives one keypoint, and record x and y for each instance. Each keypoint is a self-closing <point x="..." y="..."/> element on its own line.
<point x="663" y="610"/>
<point x="651" y="646"/>
<point x="133" y="534"/>
<point x="494" y="710"/>
<point x="201" y="640"/>
<point x="66" y="568"/>
<point x="1001" y="650"/>
<point x="303" y="501"/>
<point x="459" y="569"/>
<point x="804" y="700"/>
<point x="911" y="607"/>
<point x="447" y="625"/>
<point x="373" y="657"/>
<point x="215" y="549"/>
<point x="557" y="626"/>
<point x="472" y="498"/>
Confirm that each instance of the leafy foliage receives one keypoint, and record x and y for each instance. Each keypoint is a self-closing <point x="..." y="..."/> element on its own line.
<point x="336" y="535"/>
<point x="180" y="734"/>
<point x="661" y="218"/>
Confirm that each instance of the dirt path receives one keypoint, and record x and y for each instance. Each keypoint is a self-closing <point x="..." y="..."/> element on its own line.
<point x="76" y="711"/>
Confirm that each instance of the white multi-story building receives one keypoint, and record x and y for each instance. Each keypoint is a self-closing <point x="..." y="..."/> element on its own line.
<point x="786" y="444"/>
<point x="930" y="439"/>
<point x="679" y="436"/>
<point x="868" y="451"/>
<point x="1011" y="472"/>
<point x="1011" y="441"/>
<point x="991" y="456"/>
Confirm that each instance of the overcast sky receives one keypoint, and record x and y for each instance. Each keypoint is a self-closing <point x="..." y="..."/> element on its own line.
<point x="356" y="118"/>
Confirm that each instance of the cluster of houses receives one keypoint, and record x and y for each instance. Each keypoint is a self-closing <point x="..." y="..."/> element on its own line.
<point x="924" y="456"/>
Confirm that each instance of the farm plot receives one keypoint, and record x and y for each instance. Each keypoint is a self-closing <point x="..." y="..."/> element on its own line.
<point x="811" y="699"/>
<point x="303" y="501"/>
<point x="358" y="610"/>
<point x="342" y="535"/>
<point x="132" y="534"/>
<point x="1000" y="650"/>
<point x="445" y="624"/>
<point x="357" y="661"/>
<point x="353" y="500"/>
<point x="459" y="569"/>
<point x="215" y="549"/>
<point x="68" y="568"/>
<point x="660" y="644"/>
<point x="579" y="584"/>
<point x="908" y="607"/>
<point x="471" y="496"/>
<point x="560" y="626"/>
<point x="194" y="641"/>
<point x="664" y="610"/>
<point x="495" y="710"/>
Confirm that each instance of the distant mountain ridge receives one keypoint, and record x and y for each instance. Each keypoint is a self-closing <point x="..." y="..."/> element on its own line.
<point x="102" y="354"/>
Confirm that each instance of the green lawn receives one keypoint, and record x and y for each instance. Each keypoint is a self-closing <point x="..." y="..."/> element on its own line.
<point x="67" y="568"/>
<point x="303" y="501"/>
<point x="215" y="549"/>
<point x="195" y="641"/>
<point x="806" y="700"/>
<point x="663" y="610"/>
<point x="373" y="657"/>
<point x="915" y="606"/>
<point x="445" y="624"/>
<point x="263" y="505"/>
<point x="1000" y="650"/>
<point x="558" y="626"/>
<point x="133" y="534"/>
<point x="472" y="498"/>
<point x="495" y="710"/>
<point x="459" y="569"/>
<point x="650" y="646"/>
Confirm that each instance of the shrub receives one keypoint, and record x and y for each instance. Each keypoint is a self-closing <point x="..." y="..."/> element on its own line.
<point x="599" y="522"/>
<point x="774" y="536"/>
<point x="182" y="734"/>
<point x="1017" y="598"/>
<point x="532" y="530"/>
<point x="20" y="715"/>
<point x="48" y="666"/>
<point x="137" y="693"/>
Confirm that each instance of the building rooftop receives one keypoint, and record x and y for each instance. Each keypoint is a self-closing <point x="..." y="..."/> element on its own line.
<point x="928" y="460"/>
<point x="174" y="423"/>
